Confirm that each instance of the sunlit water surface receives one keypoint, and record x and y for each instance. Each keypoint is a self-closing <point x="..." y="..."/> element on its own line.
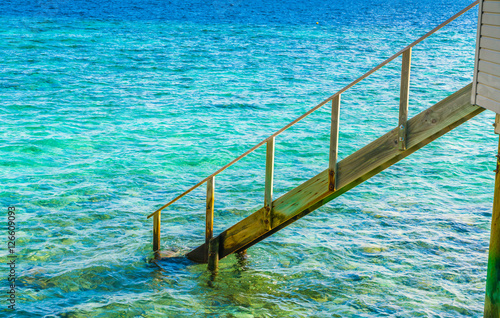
<point x="110" y="109"/>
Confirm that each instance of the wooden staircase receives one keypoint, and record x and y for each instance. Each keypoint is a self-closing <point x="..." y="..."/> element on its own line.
<point x="353" y="170"/>
<point x="275" y="214"/>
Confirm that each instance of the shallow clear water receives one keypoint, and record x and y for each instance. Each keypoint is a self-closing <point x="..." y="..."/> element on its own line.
<point x="110" y="110"/>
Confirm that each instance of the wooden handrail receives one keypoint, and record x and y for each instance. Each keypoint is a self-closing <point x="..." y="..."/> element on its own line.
<point x="370" y="72"/>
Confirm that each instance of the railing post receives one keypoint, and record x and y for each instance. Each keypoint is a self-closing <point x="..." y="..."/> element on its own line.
<point x="213" y="254"/>
<point x="334" y="140"/>
<point x="156" y="231"/>
<point x="492" y="301"/>
<point x="404" y="98"/>
<point x="209" y="220"/>
<point x="268" y="191"/>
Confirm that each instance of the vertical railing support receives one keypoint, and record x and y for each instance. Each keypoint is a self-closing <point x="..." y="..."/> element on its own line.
<point x="209" y="218"/>
<point x="497" y="124"/>
<point x="242" y="257"/>
<point x="334" y="141"/>
<point x="213" y="254"/>
<point x="156" y="231"/>
<point x="492" y="301"/>
<point x="404" y="98"/>
<point x="268" y="190"/>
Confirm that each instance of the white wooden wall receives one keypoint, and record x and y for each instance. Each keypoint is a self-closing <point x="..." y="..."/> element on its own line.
<point x="486" y="83"/>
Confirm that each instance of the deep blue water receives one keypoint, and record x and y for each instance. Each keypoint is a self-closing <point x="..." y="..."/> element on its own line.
<point x="110" y="109"/>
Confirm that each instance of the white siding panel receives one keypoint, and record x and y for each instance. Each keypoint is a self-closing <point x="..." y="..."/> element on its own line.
<point x="490" y="68"/>
<point x="491" y="18"/>
<point x="488" y="103"/>
<point x="489" y="80"/>
<point x="490" y="56"/>
<point x="488" y="92"/>
<point x="486" y="83"/>
<point x="491" y="6"/>
<point x="489" y="43"/>
<point x="490" y="31"/>
<point x="473" y="94"/>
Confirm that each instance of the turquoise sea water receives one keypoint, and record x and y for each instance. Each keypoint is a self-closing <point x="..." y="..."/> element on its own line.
<point x="109" y="110"/>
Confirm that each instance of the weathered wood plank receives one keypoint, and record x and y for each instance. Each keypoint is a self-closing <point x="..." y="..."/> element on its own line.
<point x="353" y="170"/>
<point x="268" y="189"/>
<point x="213" y="254"/>
<point x="156" y="232"/>
<point x="404" y="98"/>
<point x="242" y="233"/>
<point x="492" y="301"/>
<point x="209" y="218"/>
<point x="490" y="18"/>
<point x="334" y="144"/>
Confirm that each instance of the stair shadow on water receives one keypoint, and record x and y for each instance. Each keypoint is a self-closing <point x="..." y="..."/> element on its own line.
<point x="171" y="261"/>
<point x="172" y="264"/>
